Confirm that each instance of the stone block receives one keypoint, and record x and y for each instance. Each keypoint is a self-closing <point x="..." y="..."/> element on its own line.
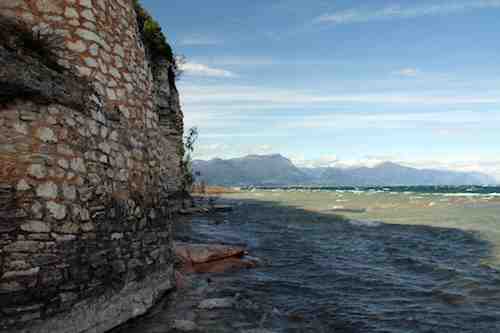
<point x="21" y="274"/>
<point x="56" y="210"/>
<point x="36" y="227"/>
<point x="47" y="190"/>
<point x="22" y="246"/>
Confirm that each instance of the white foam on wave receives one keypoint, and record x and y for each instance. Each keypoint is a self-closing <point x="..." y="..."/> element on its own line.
<point x="463" y="194"/>
<point x="360" y="223"/>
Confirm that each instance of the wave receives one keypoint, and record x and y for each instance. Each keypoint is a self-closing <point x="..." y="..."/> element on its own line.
<point x="365" y="223"/>
<point x="420" y="190"/>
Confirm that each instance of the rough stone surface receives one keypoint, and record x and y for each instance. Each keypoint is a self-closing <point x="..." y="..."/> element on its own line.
<point x="184" y="326"/>
<point x="57" y="210"/>
<point x="216" y="303"/>
<point x="35" y="227"/>
<point x="108" y="310"/>
<point x="89" y="171"/>
<point x="47" y="190"/>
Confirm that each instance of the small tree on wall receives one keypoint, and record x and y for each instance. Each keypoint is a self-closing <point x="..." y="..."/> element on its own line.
<point x="187" y="167"/>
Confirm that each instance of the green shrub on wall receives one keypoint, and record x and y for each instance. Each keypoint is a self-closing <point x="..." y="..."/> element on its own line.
<point x="153" y="37"/>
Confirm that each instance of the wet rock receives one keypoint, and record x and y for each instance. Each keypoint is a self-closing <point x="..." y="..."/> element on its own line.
<point x="203" y="253"/>
<point x="184" y="325"/>
<point x="224" y="265"/>
<point x="216" y="303"/>
<point x="222" y="208"/>
<point x="257" y="330"/>
<point x="193" y="210"/>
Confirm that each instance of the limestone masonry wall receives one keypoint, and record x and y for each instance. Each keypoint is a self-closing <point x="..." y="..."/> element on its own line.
<point x="86" y="194"/>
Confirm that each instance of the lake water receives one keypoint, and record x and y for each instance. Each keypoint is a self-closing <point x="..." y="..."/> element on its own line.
<point x="472" y="209"/>
<point x="397" y="260"/>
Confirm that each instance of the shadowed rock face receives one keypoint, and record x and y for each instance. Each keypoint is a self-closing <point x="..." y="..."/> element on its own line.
<point x="89" y="170"/>
<point x="28" y="77"/>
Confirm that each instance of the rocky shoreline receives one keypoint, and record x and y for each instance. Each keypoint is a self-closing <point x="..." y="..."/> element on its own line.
<point x="242" y="268"/>
<point x="200" y="272"/>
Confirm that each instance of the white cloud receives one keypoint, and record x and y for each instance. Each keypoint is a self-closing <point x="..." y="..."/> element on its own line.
<point x="200" y="40"/>
<point x="195" y="69"/>
<point x="454" y="122"/>
<point x="484" y="165"/>
<point x="238" y="60"/>
<point x="480" y="164"/>
<point x="321" y="162"/>
<point x="409" y="72"/>
<point x="217" y="108"/>
<point x="358" y="15"/>
<point x="269" y="97"/>
<point x="211" y="151"/>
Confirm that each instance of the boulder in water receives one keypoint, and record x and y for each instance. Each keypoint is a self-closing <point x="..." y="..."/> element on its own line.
<point x="203" y="253"/>
<point x="211" y="258"/>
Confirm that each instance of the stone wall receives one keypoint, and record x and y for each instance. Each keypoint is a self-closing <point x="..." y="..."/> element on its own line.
<point x="86" y="191"/>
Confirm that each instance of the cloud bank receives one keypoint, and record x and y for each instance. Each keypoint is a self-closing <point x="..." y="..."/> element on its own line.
<point x="195" y="69"/>
<point x="361" y="15"/>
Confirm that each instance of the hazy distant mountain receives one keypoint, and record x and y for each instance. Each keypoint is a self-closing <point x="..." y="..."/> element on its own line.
<point x="250" y="170"/>
<point x="389" y="173"/>
<point x="276" y="170"/>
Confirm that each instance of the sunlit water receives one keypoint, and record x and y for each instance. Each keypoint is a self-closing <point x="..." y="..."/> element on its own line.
<point x="406" y="261"/>
<point x="469" y="209"/>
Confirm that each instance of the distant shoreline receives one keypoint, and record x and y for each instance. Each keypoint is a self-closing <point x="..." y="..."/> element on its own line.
<point x="436" y="189"/>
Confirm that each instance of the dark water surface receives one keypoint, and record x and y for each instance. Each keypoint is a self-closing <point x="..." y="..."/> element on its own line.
<point x="320" y="274"/>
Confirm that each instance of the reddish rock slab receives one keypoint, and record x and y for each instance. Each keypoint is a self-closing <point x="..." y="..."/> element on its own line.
<point x="205" y="253"/>
<point x="225" y="265"/>
<point x="211" y="258"/>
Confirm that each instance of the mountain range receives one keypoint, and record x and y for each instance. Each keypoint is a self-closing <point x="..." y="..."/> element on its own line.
<point x="277" y="170"/>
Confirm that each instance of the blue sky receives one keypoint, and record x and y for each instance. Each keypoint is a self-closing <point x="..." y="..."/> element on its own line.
<point x="341" y="82"/>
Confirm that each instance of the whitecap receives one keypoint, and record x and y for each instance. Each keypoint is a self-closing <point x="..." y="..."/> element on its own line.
<point x="463" y="194"/>
<point x="360" y="223"/>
